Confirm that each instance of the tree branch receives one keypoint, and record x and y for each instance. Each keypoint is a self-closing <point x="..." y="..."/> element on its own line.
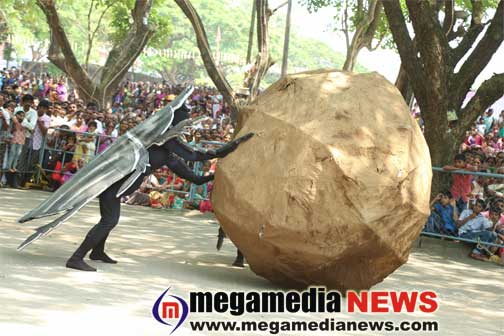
<point x="60" y="44"/>
<point x="471" y="35"/>
<point x="280" y="6"/>
<point x="93" y="34"/>
<point x="431" y="41"/>
<point x="479" y="58"/>
<point x="364" y="33"/>
<point x="88" y="52"/>
<point x="123" y="55"/>
<point x="202" y="40"/>
<point x="374" y="20"/>
<point x="263" y="61"/>
<point x="448" y="19"/>
<point x="488" y="93"/>
<point x="344" y="25"/>
<point x="407" y="50"/>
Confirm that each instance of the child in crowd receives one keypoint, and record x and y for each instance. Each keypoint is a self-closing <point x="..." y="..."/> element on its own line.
<point x="443" y="215"/>
<point x="461" y="186"/>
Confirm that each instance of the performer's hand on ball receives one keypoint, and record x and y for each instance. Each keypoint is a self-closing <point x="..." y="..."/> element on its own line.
<point x="244" y="138"/>
<point x="232" y="145"/>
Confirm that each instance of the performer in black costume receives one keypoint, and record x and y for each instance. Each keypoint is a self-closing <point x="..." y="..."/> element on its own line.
<point x="110" y="206"/>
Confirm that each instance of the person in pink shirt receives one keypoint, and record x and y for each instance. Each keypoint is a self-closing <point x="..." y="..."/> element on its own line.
<point x="79" y="126"/>
<point x="61" y="91"/>
<point x="462" y="183"/>
<point x="17" y="141"/>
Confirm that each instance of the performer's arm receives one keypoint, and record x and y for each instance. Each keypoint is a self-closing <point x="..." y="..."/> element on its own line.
<point x="188" y="153"/>
<point x="182" y="170"/>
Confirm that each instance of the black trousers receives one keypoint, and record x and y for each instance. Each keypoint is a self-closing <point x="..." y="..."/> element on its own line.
<point x="110" y="205"/>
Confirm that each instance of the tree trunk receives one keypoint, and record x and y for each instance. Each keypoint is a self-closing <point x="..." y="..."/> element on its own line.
<point x="351" y="56"/>
<point x="286" y="40"/>
<point x="403" y="85"/>
<point x="251" y="33"/>
<point x="213" y="71"/>
<point x="442" y="146"/>
<point x="263" y="60"/>
<point x="120" y="58"/>
<point x="364" y="32"/>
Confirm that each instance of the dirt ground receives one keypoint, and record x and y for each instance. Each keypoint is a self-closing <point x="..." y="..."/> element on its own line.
<point x="157" y="249"/>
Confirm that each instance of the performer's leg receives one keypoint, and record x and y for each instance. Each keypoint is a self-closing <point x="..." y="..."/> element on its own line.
<point x="239" y="259"/>
<point x="220" y="238"/>
<point x="110" y="208"/>
<point x="98" y="252"/>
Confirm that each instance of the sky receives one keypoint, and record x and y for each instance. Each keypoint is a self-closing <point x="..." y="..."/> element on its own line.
<point x="385" y="62"/>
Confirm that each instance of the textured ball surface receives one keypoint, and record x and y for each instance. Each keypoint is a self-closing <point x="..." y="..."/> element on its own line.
<point x="333" y="189"/>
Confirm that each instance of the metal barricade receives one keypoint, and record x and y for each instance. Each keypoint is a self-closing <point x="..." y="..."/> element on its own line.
<point x="463" y="172"/>
<point x="54" y="149"/>
<point x="198" y="170"/>
<point x="47" y="152"/>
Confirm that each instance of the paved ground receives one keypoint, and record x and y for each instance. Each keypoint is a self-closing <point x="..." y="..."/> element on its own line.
<point x="160" y="248"/>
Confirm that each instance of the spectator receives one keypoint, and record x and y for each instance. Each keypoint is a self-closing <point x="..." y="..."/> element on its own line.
<point x="461" y="186"/>
<point x="473" y="225"/>
<point x="17" y="141"/>
<point x="443" y="215"/>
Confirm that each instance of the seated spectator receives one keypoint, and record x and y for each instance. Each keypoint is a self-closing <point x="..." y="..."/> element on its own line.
<point x="156" y="199"/>
<point x="199" y="195"/>
<point x="443" y="215"/>
<point x="70" y="169"/>
<point x="499" y="231"/>
<point x="474" y="226"/>
<point x="139" y="197"/>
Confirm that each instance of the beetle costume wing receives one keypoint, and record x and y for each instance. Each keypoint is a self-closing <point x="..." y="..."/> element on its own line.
<point x="127" y="155"/>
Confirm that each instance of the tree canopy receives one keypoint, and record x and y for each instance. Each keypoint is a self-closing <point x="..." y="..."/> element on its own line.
<point x="107" y="22"/>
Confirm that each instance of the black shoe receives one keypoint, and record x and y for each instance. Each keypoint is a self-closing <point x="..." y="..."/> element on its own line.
<point x="102" y="257"/>
<point x="79" y="264"/>
<point x="238" y="263"/>
<point x="239" y="259"/>
<point x="220" y="239"/>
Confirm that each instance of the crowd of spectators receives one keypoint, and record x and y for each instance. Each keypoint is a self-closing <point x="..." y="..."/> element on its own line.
<point x="473" y="208"/>
<point x="45" y="127"/>
<point x="43" y="121"/>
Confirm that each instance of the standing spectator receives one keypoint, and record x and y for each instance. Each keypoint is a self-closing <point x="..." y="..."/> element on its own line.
<point x="17" y="141"/>
<point x="107" y="137"/>
<point x="488" y="121"/>
<point x="61" y="90"/>
<point x="29" y="124"/>
<point x="461" y="186"/>
<point x="5" y="117"/>
<point x="43" y="124"/>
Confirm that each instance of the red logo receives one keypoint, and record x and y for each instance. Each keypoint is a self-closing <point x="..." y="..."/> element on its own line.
<point x="393" y="301"/>
<point x="170" y="310"/>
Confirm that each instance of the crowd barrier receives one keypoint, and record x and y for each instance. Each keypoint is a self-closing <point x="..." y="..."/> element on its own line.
<point x="457" y="238"/>
<point x="53" y="150"/>
<point x="47" y="153"/>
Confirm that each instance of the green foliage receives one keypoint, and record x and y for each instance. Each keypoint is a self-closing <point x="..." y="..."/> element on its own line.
<point x="232" y="18"/>
<point x="21" y="20"/>
<point x="355" y="14"/>
<point x="173" y="32"/>
<point x="121" y="20"/>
